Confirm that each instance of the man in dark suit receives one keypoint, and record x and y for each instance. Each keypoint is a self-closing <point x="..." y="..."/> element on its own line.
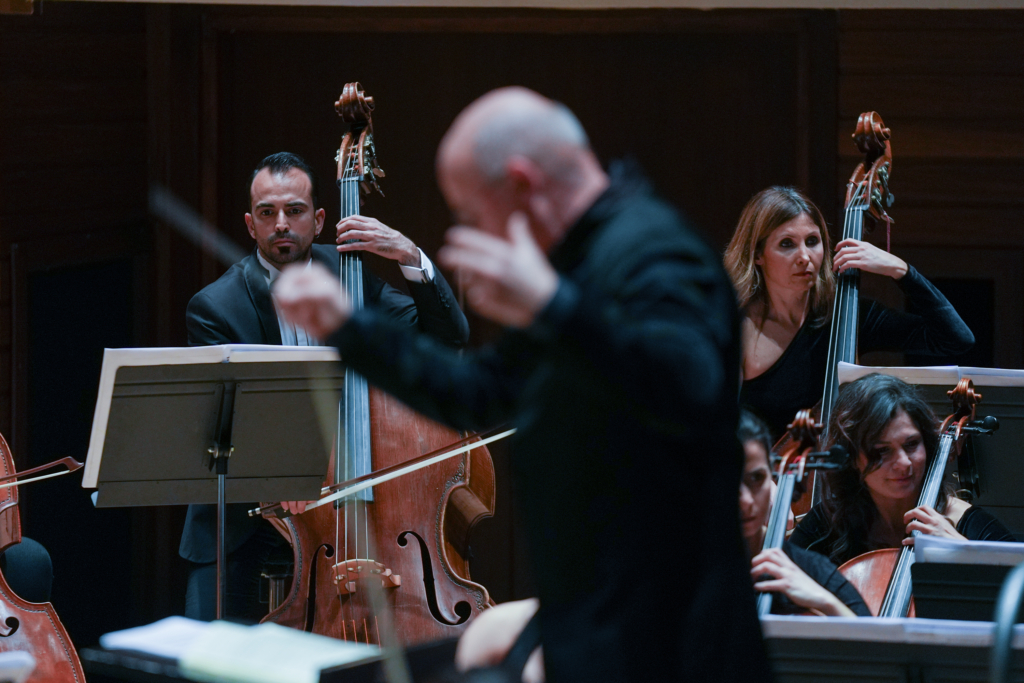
<point x="618" y="366"/>
<point x="238" y="309"/>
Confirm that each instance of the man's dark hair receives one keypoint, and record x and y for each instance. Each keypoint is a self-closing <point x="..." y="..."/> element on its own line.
<point x="282" y="162"/>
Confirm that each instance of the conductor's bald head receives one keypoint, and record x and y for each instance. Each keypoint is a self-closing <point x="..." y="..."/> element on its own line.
<point x="514" y="150"/>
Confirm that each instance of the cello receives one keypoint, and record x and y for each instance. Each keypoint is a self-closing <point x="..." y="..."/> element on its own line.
<point x="883" y="576"/>
<point x="867" y="198"/>
<point x="389" y="564"/>
<point x="28" y="626"/>
<point x="801" y="458"/>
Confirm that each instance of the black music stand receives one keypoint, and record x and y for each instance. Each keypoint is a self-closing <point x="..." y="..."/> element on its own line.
<point x="168" y="421"/>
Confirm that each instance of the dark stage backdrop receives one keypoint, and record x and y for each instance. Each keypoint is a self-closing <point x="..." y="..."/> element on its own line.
<point x="712" y="117"/>
<point x="678" y="103"/>
<point x="98" y="101"/>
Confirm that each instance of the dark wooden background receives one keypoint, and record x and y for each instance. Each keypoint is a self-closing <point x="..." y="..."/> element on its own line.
<point x="100" y="101"/>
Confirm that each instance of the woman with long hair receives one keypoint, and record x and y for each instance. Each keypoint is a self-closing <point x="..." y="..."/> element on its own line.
<point x="782" y="264"/>
<point x="802" y="580"/>
<point x="871" y="502"/>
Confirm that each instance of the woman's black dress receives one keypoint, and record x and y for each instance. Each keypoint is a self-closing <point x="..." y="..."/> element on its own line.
<point x="814" y="533"/>
<point x="797" y="379"/>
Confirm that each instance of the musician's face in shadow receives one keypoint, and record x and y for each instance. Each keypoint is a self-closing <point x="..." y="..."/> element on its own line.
<point x="283" y="220"/>
<point x="792" y="256"/>
<point x="755" y="489"/>
<point x="901" y="469"/>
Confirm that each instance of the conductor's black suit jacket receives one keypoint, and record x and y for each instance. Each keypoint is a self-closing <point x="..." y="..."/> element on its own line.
<point x="626" y="462"/>
<point x="237" y="309"/>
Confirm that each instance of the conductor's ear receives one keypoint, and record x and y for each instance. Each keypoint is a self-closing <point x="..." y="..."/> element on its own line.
<point x="525" y="176"/>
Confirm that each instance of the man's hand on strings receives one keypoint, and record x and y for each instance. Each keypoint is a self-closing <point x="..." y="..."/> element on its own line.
<point x="868" y="258"/>
<point x="362" y="233"/>
<point x="507" y="279"/>
<point x="313" y="299"/>
<point x="295" y="507"/>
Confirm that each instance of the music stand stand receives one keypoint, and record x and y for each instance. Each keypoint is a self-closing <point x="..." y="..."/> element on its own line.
<point x="168" y="421"/>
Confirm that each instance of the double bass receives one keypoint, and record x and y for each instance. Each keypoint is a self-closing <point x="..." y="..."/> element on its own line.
<point x="387" y="565"/>
<point x="867" y="199"/>
<point x="883" y="576"/>
<point x="28" y="626"/>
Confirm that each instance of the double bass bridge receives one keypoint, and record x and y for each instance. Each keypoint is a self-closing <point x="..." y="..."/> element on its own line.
<point x="350" y="573"/>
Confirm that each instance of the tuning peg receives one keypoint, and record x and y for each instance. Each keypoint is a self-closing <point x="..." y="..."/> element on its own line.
<point x="985" y="425"/>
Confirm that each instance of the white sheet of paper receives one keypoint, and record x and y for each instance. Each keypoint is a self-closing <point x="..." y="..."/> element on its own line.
<point x="902" y="630"/>
<point x="168" y="637"/>
<point x="939" y="374"/>
<point x="266" y="653"/>
<point x="947" y="550"/>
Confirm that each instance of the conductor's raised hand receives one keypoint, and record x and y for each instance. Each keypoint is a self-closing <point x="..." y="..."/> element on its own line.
<point x="507" y="279"/>
<point x="868" y="258"/>
<point x="313" y="299"/>
<point x="362" y="233"/>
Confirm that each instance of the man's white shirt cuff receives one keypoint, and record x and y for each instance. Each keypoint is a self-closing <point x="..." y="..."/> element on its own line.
<point x="424" y="274"/>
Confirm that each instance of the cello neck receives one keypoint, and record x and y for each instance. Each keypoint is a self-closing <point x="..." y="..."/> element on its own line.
<point x="357" y="167"/>
<point x="351" y="263"/>
<point x="897" y="595"/>
<point x="775" y="535"/>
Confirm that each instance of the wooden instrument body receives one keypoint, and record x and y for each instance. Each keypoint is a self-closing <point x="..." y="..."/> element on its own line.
<point x="871" y="574"/>
<point x="28" y="626"/>
<point x="419" y="529"/>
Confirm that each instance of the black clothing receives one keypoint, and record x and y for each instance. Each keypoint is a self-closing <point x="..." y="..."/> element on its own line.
<point x="28" y="569"/>
<point x="245" y="565"/>
<point x="978" y="524"/>
<point x="825" y="574"/>
<point x="621" y="390"/>
<point x="815" y="533"/>
<point x="236" y="309"/>
<point x="797" y="379"/>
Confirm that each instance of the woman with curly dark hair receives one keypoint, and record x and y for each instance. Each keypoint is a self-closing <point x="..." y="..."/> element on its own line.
<point x="871" y="502"/>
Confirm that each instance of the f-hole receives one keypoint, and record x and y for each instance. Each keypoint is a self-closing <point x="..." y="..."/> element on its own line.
<point x="462" y="608"/>
<point x="311" y="600"/>
<point x="12" y="625"/>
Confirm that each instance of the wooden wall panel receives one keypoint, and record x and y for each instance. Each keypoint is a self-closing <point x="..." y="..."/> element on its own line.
<point x="950" y="86"/>
<point x="72" y="198"/>
<point x="715" y="107"/>
<point x="72" y="150"/>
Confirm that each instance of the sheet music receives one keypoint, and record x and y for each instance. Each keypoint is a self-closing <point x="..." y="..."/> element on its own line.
<point x="903" y="630"/>
<point x="940" y="375"/>
<point x="227" y="652"/>
<point x="950" y="551"/>
<point x="114" y="359"/>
